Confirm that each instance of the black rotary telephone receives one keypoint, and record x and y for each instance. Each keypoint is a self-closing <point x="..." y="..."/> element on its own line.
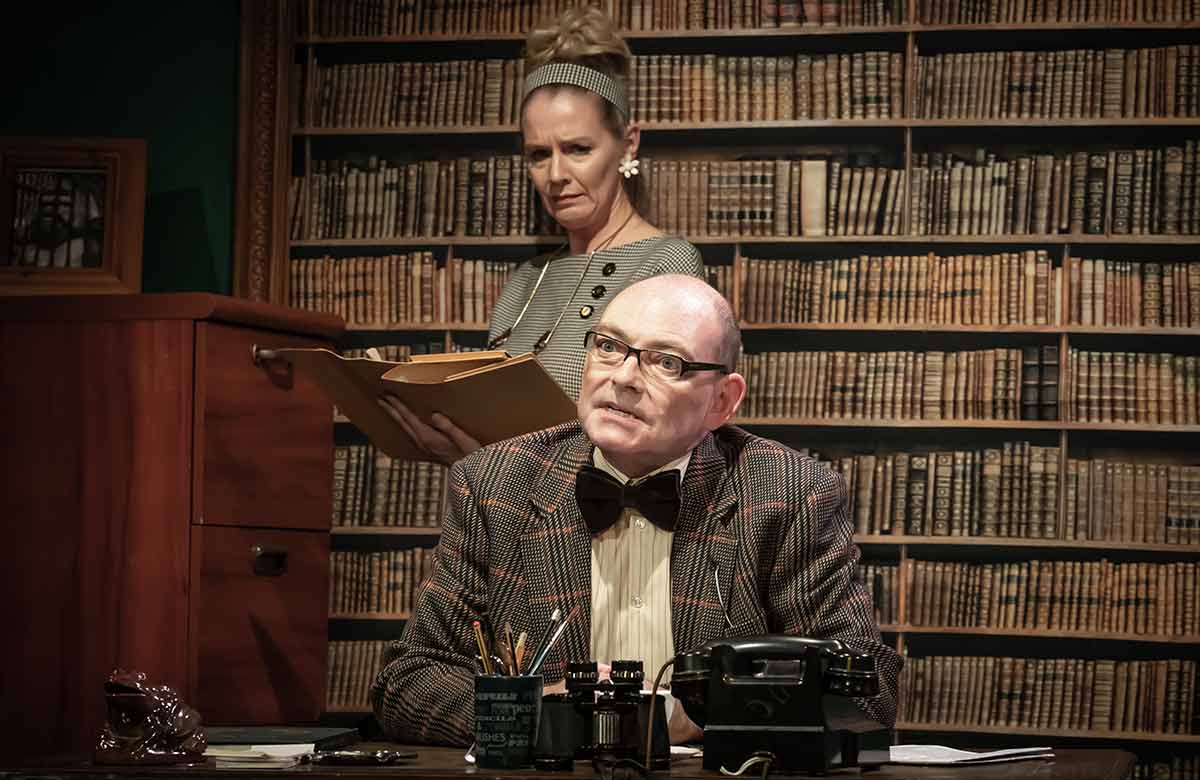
<point x="788" y="696"/>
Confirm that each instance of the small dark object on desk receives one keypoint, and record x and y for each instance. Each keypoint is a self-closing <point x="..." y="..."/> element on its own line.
<point x="147" y="724"/>
<point x="786" y="696"/>
<point x="361" y="757"/>
<point x="601" y="720"/>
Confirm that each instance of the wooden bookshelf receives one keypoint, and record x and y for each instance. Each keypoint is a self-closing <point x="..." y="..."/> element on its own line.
<point x="893" y="143"/>
<point x="1039" y="633"/>
<point x="1098" y="546"/>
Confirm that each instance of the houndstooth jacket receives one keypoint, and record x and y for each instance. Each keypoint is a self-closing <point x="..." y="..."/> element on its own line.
<point x="772" y="523"/>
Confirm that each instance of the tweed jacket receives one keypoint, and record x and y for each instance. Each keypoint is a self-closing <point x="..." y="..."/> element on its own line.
<point x="770" y="522"/>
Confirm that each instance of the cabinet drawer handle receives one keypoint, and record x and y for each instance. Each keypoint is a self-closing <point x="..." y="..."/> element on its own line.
<point x="268" y="563"/>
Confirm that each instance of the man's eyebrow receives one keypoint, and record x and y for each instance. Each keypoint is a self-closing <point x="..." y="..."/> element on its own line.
<point x="659" y="346"/>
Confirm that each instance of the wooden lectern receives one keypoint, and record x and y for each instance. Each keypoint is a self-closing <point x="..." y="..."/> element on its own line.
<point x="166" y="508"/>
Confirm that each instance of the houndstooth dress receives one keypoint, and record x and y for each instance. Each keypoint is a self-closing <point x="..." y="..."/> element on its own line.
<point x="611" y="271"/>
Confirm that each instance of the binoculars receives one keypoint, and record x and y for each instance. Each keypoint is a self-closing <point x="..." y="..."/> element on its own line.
<point x="601" y="720"/>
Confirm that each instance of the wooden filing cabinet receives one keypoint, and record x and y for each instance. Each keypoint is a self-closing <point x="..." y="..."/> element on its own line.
<point x="166" y="507"/>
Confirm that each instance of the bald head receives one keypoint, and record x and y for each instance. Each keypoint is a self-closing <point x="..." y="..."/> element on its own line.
<point x="697" y="299"/>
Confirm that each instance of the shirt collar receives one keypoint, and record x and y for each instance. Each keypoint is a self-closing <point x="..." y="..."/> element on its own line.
<point x="680" y="464"/>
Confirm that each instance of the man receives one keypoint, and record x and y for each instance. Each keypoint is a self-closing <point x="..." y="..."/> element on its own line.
<point x="760" y="542"/>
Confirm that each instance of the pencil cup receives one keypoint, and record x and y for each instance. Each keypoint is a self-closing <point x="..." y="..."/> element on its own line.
<point x="507" y="710"/>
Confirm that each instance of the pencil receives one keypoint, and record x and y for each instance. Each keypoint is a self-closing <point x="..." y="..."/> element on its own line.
<point x="484" y="655"/>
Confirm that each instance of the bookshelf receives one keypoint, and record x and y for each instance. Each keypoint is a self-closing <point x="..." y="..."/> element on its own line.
<point x="1144" y="215"/>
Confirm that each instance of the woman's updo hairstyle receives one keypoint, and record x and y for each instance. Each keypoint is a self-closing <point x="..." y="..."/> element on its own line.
<point x="586" y="36"/>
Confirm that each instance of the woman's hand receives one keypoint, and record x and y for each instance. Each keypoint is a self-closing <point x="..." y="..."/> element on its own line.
<point x="443" y="441"/>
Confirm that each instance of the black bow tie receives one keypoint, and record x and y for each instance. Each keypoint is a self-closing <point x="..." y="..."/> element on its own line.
<point x="601" y="498"/>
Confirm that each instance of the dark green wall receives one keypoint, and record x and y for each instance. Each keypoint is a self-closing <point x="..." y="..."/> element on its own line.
<point x="166" y="72"/>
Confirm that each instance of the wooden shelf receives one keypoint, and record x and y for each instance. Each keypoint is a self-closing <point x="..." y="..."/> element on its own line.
<point x="1023" y="425"/>
<point x="1012" y="541"/>
<point x="918" y="124"/>
<point x="1026" y="239"/>
<point x="386" y="530"/>
<point x="431" y="241"/>
<point x="963" y="728"/>
<point x="1040" y="633"/>
<point x="1128" y="330"/>
<point x="877" y="327"/>
<point x="355" y="328"/>
<point x="769" y="125"/>
<point x="380" y="617"/>
<point x="440" y="130"/>
<point x="758" y="32"/>
<point x="991" y="29"/>
<point x="830" y="422"/>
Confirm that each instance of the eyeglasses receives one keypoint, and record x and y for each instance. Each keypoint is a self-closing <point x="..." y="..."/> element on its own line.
<point x="612" y="352"/>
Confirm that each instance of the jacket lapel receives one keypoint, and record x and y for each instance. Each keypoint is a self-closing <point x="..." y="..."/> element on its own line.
<point x="557" y="555"/>
<point x="704" y="543"/>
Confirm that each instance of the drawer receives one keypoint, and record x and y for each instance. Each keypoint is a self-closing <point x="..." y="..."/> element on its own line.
<point x="257" y="624"/>
<point x="263" y="435"/>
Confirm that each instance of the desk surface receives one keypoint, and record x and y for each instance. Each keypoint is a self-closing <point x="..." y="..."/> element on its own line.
<point x="435" y="763"/>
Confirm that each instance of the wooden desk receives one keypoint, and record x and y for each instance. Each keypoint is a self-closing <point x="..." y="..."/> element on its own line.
<point x="447" y="764"/>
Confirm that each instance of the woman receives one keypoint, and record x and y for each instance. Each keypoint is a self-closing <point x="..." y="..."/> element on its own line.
<point x="581" y="153"/>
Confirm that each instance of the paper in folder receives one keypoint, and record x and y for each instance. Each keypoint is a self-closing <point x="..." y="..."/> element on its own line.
<point x="490" y="395"/>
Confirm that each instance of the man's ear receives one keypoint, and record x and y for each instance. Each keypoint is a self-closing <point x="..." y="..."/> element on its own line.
<point x="727" y="400"/>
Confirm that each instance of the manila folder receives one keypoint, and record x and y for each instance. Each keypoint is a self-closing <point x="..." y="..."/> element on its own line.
<point x="490" y="402"/>
<point x="474" y="389"/>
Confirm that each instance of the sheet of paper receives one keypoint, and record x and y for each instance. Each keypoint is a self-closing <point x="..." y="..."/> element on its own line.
<point x="939" y="754"/>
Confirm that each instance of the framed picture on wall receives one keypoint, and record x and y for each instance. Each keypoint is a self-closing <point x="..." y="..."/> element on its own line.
<point x="71" y="214"/>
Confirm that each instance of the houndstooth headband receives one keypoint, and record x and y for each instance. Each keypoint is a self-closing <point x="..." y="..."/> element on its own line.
<point x="579" y="76"/>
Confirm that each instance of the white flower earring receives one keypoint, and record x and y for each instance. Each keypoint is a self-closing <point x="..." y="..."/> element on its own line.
<point x="628" y="166"/>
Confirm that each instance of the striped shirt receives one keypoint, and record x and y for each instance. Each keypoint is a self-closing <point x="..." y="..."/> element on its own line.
<point x="611" y="270"/>
<point x="631" y="585"/>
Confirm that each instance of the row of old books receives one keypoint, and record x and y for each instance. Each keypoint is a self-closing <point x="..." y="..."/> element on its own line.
<point x="1120" y="192"/>
<point x="635" y="15"/>
<point x="706" y="87"/>
<point x="370" y="488"/>
<point x="485" y="92"/>
<point x="343" y="18"/>
<point x="662" y="89"/>
<point x="384" y="582"/>
<point x="352" y="667"/>
<point x="391" y="289"/>
<point x="813" y="197"/>
<point x="1051" y="693"/>
<point x="1022" y="11"/>
<point x="346" y="18"/>
<point x="1132" y="502"/>
<point x="1074" y="83"/>
<point x="983" y="384"/>
<point x="1138" y="293"/>
<point x="464" y="197"/>
<point x="1007" y="491"/>
<point x="1142" y="599"/>
<point x="1133" y="387"/>
<point x="1004" y="288"/>
<point x="883" y="583"/>
<point x="493" y="196"/>
<point x="1167" y="767"/>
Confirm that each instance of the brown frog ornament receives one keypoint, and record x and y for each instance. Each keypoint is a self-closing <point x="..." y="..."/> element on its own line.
<point x="147" y="724"/>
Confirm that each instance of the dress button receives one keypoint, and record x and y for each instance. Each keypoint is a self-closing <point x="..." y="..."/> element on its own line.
<point x="637" y="602"/>
<point x="585" y="312"/>
<point x="609" y="269"/>
<point x="598" y="291"/>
